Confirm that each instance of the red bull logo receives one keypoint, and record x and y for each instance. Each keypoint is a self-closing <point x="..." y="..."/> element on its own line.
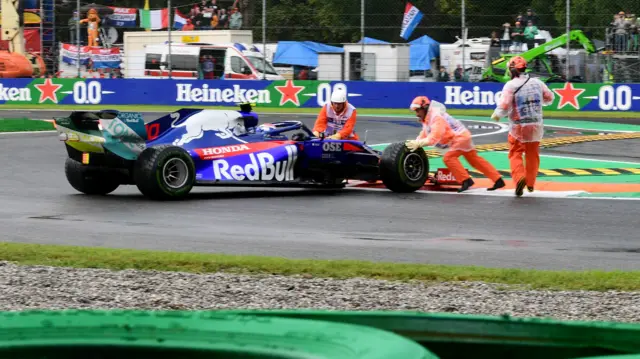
<point x="444" y="176"/>
<point x="261" y="167"/>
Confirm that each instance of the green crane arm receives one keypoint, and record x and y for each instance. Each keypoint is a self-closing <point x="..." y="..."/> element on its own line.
<point x="529" y="55"/>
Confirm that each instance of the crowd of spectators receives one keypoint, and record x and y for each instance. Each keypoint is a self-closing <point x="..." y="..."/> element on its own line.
<point x="207" y="15"/>
<point x="622" y="34"/>
<point x="523" y="31"/>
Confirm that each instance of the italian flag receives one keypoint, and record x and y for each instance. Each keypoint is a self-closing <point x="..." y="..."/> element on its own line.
<point x="154" y="19"/>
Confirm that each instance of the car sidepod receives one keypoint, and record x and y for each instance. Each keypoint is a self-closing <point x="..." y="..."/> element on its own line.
<point x="247" y="163"/>
<point x="331" y="160"/>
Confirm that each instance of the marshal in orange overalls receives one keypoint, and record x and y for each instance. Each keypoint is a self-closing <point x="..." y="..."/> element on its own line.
<point x="522" y="100"/>
<point x="443" y="131"/>
<point x="338" y="118"/>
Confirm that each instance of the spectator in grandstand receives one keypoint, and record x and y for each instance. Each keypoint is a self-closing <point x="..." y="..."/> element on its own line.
<point x="520" y="18"/>
<point x="223" y="21"/>
<point x="188" y="26"/>
<point x="518" y="36"/>
<point x="620" y="25"/>
<point x="74" y="22"/>
<point x="531" y="17"/>
<point x="530" y="33"/>
<point x="633" y="39"/>
<point x="214" y="20"/>
<point x="443" y="76"/>
<point x="235" y="20"/>
<point x="495" y="41"/>
<point x="457" y="73"/>
<point x="205" y="13"/>
<point x="505" y="42"/>
<point x="194" y="12"/>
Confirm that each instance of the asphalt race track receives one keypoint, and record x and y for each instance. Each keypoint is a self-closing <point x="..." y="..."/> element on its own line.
<point x="39" y="206"/>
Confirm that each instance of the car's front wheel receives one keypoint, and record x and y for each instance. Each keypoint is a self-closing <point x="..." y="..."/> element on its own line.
<point x="164" y="172"/>
<point x="89" y="180"/>
<point x="402" y="170"/>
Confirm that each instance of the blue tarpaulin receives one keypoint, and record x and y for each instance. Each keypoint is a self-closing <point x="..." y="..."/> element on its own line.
<point x="369" y="40"/>
<point x="301" y="53"/>
<point x="422" y="51"/>
<point x="31" y="4"/>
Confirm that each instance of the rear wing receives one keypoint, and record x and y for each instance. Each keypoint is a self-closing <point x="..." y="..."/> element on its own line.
<point x="123" y="133"/>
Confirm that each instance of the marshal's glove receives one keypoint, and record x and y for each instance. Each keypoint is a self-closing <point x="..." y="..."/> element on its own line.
<point x="495" y="117"/>
<point x="335" y="137"/>
<point x="415" y="144"/>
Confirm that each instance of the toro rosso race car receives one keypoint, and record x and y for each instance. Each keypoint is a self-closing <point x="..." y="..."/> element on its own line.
<point x="167" y="157"/>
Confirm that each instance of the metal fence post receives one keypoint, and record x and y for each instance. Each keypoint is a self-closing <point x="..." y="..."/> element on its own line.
<point x="78" y="36"/>
<point x="362" y="65"/>
<point x="264" y="39"/>
<point x="568" y="24"/>
<point x="464" y="38"/>
<point x="169" y="25"/>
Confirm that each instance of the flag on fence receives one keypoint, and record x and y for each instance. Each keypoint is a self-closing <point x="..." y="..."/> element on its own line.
<point x="179" y="20"/>
<point x="154" y="19"/>
<point x="101" y="58"/>
<point x="122" y="17"/>
<point x="70" y="54"/>
<point x="412" y="17"/>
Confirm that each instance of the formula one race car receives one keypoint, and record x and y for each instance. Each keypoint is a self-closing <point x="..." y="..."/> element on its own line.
<point x="167" y="157"/>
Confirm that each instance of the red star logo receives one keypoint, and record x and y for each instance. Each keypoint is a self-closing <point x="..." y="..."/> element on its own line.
<point x="48" y="91"/>
<point x="568" y="95"/>
<point x="289" y="92"/>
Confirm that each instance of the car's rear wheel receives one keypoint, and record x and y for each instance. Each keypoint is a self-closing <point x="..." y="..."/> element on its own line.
<point x="402" y="170"/>
<point x="164" y="172"/>
<point x="88" y="179"/>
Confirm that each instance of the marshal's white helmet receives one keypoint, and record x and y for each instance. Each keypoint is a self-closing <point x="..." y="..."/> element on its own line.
<point x="339" y="96"/>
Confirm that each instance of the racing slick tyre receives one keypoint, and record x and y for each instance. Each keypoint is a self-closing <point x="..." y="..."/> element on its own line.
<point x="403" y="171"/>
<point x="89" y="180"/>
<point x="164" y="172"/>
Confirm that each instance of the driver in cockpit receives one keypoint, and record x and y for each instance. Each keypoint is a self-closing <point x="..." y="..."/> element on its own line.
<point x="337" y="118"/>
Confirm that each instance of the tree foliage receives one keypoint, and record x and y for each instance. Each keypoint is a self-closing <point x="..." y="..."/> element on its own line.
<point x="338" y="21"/>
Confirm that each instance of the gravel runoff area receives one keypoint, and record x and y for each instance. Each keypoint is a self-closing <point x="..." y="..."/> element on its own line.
<point x="42" y="287"/>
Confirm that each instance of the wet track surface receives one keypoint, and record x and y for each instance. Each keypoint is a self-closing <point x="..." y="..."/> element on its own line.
<point x="39" y="206"/>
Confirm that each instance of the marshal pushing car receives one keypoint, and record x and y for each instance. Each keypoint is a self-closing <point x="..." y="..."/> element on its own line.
<point x="167" y="157"/>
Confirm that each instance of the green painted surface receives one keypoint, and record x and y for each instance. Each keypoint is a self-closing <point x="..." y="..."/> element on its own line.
<point x="21" y="124"/>
<point x="501" y="162"/>
<point x="613" y="195"/>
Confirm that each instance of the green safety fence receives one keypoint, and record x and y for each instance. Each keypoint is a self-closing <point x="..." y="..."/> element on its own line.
<point x="305" y="334"/>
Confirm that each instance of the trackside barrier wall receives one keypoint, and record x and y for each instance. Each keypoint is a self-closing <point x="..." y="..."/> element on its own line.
<point x="307" y="94"/>
<point x="305" y="334"/>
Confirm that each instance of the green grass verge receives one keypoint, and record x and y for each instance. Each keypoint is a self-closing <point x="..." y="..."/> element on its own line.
<point x="21" y="124"/>
<point x="119" y="259"/>
<point x="364" y="111"/>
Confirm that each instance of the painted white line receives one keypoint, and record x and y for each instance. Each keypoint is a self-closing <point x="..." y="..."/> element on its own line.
<point x="26" y="132"/>
<point x="509" y="193"/>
